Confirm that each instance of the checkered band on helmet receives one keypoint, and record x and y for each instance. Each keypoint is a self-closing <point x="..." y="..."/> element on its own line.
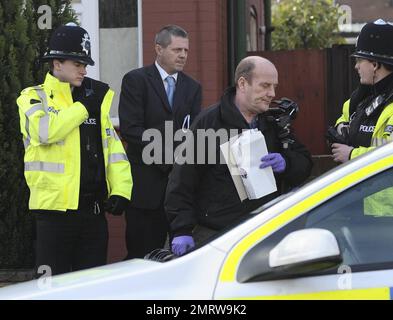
<point x="70" y="42"/>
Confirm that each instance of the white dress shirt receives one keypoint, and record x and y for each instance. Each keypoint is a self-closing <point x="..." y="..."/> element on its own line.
<point x="165" y="74"/>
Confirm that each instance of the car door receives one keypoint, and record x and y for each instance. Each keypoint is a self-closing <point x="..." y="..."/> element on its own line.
<point x="361" y="219"/>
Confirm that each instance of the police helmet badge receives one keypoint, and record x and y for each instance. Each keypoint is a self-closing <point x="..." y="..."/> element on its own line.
<point x="86" y="43"/>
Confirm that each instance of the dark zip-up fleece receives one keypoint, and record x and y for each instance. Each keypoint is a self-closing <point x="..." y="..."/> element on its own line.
<point x="205" y="193"/>
<point x="92" y="181"/>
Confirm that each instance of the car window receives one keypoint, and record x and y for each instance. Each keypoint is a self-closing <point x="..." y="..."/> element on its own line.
<point x="361" y="218"/>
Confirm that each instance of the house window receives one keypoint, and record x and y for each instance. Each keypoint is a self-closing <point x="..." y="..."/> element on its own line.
<point x="118" y="13"/>
<point x="252" y="43"/>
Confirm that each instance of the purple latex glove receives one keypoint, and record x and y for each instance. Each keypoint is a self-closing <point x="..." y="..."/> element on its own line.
<point x="182" y="244"/>
<point x="275" y="160"/>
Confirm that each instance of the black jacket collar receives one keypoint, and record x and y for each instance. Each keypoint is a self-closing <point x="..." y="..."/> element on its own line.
<point x="230" y="114"/>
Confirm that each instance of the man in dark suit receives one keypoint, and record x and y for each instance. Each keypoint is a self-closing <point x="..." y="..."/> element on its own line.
<point x="152" y="98"/>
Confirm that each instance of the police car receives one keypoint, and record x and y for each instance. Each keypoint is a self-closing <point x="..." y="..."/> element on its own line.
<point x="315" y="243"/>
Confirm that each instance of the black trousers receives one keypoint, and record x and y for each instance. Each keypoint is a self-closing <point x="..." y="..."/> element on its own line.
<point x="146" y="230"/>
<point x="70" y="241"/>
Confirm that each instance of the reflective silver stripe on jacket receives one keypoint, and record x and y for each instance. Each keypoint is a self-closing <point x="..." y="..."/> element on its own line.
<point x="26" y="142"/>
<point x="43" y="131"/>
<point x="376" y="142"/>
<point x="41" y="93"/>
<point x="29" y="113"/>
<point x="34" y="109"/>
<point x="113" y="134"/>
<point x="116" y="157"/>
<point x="44" y="166"/>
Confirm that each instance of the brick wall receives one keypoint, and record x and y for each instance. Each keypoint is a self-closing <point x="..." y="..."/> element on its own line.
<point x="206" y="23"/>
<point x="116" y="244"/>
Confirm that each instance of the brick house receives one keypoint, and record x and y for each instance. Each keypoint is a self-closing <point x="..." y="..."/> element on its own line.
<point x="220" y="31"/>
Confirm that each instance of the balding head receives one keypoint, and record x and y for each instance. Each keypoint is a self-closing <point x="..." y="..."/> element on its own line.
<point x="246" y="67"/>
<point x="256" y="82"/>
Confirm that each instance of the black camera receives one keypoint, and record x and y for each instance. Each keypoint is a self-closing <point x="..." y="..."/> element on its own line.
<point x="282" y="112"/>
<point x="284" y="106"/>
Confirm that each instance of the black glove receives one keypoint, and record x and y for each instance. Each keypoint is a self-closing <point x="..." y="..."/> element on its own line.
<point x="92" y="105"/>
<point x="91" y="94"/>
<point x="116" y="205"/>
<point x="333" y="136"/>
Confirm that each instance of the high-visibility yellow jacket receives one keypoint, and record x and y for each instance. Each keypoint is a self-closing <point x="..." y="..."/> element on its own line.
<point x="50" y="120"/>
<point x="381" y="134"/>
<point x="378" y="204"/>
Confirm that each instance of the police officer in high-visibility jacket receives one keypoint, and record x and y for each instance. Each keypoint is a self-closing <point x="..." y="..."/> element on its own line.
<point x="75" y="164"/>
<point x="367" y="117"/>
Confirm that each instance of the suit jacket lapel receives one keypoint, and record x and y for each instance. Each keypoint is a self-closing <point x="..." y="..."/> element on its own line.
<point x="156" y="82"/>
<point x="179" y="97"/>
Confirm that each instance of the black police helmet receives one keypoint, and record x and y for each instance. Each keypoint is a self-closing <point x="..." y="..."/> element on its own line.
<point x="375" y="42"/>
<point x="70" y="42"/>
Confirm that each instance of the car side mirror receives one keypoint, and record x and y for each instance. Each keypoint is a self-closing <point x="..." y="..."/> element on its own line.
<point x="305" y="251"/>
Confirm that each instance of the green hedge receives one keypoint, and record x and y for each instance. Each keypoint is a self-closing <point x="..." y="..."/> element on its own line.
<point x="305" y="24"/>
<point x="21" y="44"/>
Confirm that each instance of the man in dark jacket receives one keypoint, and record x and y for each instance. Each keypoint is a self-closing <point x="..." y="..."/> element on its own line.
<point x="204" y="194"/>
<point x="152" y="98"/>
